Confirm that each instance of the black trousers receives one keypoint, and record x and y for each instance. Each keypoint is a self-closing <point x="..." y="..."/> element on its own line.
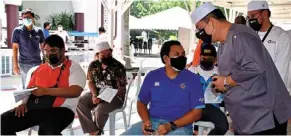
<point x="217" y="117"/>
<point x="51" y="121"/>
<point x="279" y="129"/>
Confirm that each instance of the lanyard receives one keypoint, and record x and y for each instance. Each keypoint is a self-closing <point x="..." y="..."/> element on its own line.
<point x="269" y="30"/>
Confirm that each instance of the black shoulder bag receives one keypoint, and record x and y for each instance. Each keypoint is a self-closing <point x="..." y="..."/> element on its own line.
<point x="43" y="102"/>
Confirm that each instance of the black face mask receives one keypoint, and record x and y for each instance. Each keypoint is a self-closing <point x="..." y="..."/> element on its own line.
<point x="178" y="63"/>
<point x="53" y="59"/>
<point x="207" y="64"/>
<point x="254" y="24"/>
<point x="201" y="34"/>
<point x="107" y="61"/>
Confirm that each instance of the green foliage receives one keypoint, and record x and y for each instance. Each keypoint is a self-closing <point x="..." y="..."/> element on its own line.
<point x="66" y="19"/>
<point x="141" y="8"/>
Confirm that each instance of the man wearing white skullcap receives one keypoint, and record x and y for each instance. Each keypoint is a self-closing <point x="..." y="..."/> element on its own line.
<point x="276" y="40"/>
<point x="103" y="73"/>
<point x="255" y="94"/>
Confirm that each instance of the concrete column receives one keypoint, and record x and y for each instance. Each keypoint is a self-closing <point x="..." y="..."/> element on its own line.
<point x="79" y="9"/>
<point x="192" y="33"/>
<point x="111" y="5"/>
<point x="11" y="7"/>
<point x="79" y="22"/>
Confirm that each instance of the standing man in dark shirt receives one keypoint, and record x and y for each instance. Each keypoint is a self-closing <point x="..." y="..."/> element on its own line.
<point x="106" y="72"/>
<point x="27" y="39"/>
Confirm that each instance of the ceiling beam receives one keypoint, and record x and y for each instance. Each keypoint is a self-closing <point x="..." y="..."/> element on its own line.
<point x="287" y="5"/>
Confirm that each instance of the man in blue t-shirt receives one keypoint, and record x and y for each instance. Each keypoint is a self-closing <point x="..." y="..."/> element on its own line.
<point x="174" y="94"/>
<point x="46" y="28"/>
<point x="27" y="40"/>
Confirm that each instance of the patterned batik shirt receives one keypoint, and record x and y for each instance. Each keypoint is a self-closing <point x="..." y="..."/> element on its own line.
<point x="114" y="76"/>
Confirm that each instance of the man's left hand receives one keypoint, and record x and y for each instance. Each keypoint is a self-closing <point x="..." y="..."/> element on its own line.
<point x="39" y="91"/>
<point x="164" y="129"/>
<point x="218" y="83"/>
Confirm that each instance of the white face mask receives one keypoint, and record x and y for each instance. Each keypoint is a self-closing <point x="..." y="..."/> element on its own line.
<point x="27" y="22"/>
<point x="60" y="29"/>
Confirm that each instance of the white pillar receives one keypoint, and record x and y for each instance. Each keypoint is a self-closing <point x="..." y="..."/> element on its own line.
<point x="226" y="15"/>
<point x="111" y="5"/>
<point x="193" y="37"/>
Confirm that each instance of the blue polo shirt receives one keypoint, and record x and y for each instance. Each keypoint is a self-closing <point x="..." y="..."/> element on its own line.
<point x="29" y="42"/>
<point x="170" y="99"/>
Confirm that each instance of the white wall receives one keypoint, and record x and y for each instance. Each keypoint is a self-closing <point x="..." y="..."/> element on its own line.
<point x="46" y="8"/>
<point x="91" y="16"/>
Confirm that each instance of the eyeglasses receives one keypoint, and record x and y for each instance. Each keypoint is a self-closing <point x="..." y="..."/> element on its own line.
<point x="253" y="15"/>
<point x="51" y="51"/>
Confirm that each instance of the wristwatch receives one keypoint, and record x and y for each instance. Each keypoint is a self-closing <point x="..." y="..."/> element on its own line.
<point x="173" y="125"/>
<point x="226" y="85"/>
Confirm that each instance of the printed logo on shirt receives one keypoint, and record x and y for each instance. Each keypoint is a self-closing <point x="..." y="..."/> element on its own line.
<point x="201" y="100"/>
<point x="182" y="86"/>
<point x="37" y="36"/>
<point x="270" y="41"/>
<point x="157" y="83"/>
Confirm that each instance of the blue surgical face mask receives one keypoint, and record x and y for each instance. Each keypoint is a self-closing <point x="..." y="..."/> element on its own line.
<point x="27" y="22"/>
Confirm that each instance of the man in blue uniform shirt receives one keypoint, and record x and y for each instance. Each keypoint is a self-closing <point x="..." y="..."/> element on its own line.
<point x="174" y="93"/>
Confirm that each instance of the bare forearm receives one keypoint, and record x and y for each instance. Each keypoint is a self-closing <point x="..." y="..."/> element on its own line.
<point x="189" y="118"/>
<point x="15" y="56"/>
<point x="68" y="92"/>
<point x="143" y="111"/>
<point x="93" y="89"/>
<point x="41" y="46"/>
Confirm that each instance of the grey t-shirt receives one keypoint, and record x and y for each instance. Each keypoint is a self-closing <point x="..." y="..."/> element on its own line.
<point x="261" y="92"/>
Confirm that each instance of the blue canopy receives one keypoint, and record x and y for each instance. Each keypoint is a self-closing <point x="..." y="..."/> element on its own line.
<point x="75" y="33"/>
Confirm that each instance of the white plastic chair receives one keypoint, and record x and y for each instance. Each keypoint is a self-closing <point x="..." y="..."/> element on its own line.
<point x="144" y="70"/>
<point x="122" y="109"/>
<point x="204" y="126"/>
<point x="85" y="66"/>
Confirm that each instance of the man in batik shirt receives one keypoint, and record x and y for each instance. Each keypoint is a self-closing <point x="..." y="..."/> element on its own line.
<point x="106" y="72"/>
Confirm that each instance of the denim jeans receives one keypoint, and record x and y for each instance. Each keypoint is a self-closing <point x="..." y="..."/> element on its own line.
<point x="136" y="129"/>
<point x="24" y="68"/>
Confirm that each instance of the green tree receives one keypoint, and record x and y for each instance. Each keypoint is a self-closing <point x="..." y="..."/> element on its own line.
<point x="143" y="8"/>
<point x="66" y="19"/>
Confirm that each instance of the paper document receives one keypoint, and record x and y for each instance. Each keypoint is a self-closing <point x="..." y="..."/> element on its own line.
<point x="22" y="94"/>
<point x="107" y="94"/>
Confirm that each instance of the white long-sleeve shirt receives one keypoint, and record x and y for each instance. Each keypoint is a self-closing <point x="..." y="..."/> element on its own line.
<point x="278" y="44"/>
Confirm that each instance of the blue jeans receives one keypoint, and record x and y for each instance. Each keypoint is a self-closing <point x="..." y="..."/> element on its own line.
<point x="136" y="129"/>
<point x="24" y="68"/>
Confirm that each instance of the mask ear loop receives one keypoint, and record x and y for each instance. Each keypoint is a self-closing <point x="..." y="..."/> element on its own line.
<point x="212" y="28"/>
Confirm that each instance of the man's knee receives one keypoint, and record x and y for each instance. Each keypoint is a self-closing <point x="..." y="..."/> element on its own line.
<point x="85" y="99"/>
<point x="101" y="110"/>
<point x="222" y="128"/>
<point x="135" y="129"/>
